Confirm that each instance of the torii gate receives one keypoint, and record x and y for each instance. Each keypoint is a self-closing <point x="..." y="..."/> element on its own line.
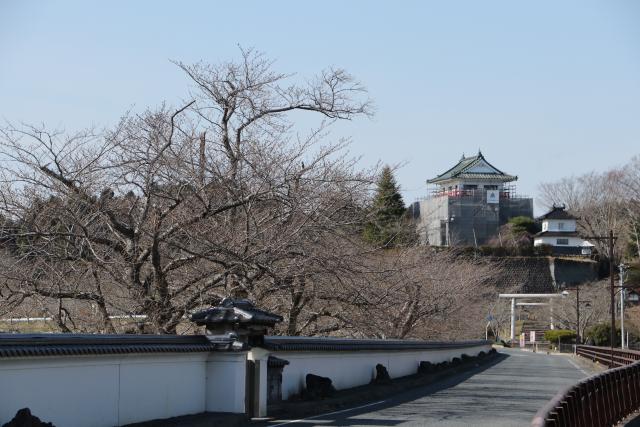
<point x="514" y="297"/>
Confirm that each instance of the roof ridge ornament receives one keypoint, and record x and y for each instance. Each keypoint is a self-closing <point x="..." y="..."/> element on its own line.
<point x="237" y="318"/>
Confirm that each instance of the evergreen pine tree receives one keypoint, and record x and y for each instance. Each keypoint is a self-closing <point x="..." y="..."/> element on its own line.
<point x="386" y="227"/>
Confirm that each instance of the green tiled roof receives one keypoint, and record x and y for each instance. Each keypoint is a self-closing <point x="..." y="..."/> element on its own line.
<point x="501" y="177"/>
<point x="461" y="171"/>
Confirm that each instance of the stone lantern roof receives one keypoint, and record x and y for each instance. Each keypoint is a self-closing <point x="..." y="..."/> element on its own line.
<point x="238" y="318"/>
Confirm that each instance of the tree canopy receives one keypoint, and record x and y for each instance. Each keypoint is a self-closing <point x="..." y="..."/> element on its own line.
<point x="386" y="227"/>
<point x="177" y="207"/>
<point x="523" y="225"/>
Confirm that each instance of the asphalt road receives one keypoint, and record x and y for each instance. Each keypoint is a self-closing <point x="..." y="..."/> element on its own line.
<point x="506" y="393"/>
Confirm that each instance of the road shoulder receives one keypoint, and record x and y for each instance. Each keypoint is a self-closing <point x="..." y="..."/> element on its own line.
<point x="372" y="394"/>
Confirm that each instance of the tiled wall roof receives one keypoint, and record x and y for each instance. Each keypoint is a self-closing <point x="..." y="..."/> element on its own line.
<point x="25" y="345"/>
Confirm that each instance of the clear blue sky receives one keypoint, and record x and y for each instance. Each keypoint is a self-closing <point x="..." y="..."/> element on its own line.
<point x="546" y="89"/>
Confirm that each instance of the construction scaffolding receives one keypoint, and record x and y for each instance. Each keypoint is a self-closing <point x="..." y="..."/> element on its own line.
<point x="468" y="217"/>
<point x="507" y="191"/>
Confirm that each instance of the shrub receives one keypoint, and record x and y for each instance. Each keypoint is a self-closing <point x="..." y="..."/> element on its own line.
<point x="543" y="250"/>
<point x="562" y="335"/>
<point x="600" y="334"/>
<point x="486" y="250"/>
<point x="525" y="250"/>
<point x="524" y="224"/>
<point x="500" y="251"/>
<point x="633" y="275"/>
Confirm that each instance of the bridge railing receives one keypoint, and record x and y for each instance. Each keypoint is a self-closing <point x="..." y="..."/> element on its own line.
<point x="605" y="356"/>
<point x="600" y="400"/>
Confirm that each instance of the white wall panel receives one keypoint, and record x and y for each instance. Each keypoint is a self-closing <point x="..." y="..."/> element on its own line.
<point x="225" y="387"/>
<point x="66" y="393"/>
<point x="104" y="390"/>
<point x="161" y="388"/>
<point x="351" y="369"/>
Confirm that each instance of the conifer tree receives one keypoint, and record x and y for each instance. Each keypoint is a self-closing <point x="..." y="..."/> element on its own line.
<point x="386" y="227"/>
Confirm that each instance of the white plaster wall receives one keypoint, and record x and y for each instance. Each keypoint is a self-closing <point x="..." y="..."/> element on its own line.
<point x="569" y="225"/>
<point x="82" y="392"/>
<point x="88" y="391"/>
<point x="351" y="369"/>
<point x="225" y="388"/>
<point x="161" y="388"/>
<point x="547" y="240"/>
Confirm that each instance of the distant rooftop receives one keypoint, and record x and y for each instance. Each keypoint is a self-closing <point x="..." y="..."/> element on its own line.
<point x="558" y="212"/>
<point x="475" y="167"/>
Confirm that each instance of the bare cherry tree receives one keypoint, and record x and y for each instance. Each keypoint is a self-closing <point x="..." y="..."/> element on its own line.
<point x="630" y="195"/>
<point x="420" y="293"/>
<point x="593" y="305"/>
<point x="176" y="208"/>
<point x="596" y="199"/>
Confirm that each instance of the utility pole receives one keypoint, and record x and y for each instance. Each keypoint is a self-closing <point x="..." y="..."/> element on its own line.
<point x="622" y="271"/>
<point x="613" y="297"/>
<point x="578" y="313"/>
<point x="578" y="302"/>
<point x="611" y="239"/>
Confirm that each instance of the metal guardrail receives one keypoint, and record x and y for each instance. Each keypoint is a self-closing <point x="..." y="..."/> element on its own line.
<point x="603" y="355"/>
<point x="566" y="348"/>
<point x="600" y="400"/>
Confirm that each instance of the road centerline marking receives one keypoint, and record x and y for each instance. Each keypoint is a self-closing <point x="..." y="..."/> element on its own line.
<point x="327" y="414"/>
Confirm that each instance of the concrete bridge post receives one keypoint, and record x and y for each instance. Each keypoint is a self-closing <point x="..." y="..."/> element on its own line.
<point x="258" y="388"/>
<point x="513" y="319"/>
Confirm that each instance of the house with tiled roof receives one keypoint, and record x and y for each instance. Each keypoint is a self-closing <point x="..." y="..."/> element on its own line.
<point x="468" y="204"/>
<point x="559" y="230"/>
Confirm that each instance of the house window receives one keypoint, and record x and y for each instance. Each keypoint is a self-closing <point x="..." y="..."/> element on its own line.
<point x="562" y="241"/>
<point x="490" y="187"/>
<point x="561" y="226"/>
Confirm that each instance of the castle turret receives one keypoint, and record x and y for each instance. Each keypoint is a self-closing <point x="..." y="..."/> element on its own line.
<point x="472" y="173"/>
<point x="469" y="203"/>
<point x="559" y="230"/>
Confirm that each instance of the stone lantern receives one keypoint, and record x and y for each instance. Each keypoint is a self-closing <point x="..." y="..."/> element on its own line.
<point x="238" y="319"/>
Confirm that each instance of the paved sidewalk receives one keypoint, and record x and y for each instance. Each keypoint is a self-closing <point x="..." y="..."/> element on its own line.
<point x="507" y="393"/>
